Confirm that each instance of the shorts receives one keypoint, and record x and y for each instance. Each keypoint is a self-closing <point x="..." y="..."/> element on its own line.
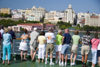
<point x="50" y="48"/>
<point x="23" y="46"/>
<point x="74" y="49"/>
<point x="58" y="48"/>
<point x="94" y="56"/>
<point x="85" y="50"/>
<point x="98" y="53"/>
<point x="65" y="49"/>
<point x="34" y="46"/>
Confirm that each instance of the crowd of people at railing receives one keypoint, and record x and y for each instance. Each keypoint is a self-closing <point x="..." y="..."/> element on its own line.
<point x="38" y="42"/>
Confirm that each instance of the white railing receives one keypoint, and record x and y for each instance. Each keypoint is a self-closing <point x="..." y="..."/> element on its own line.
<point x="15" y="51"/>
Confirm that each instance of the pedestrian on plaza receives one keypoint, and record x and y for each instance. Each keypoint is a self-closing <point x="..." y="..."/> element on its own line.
<point x="41" y="46"/>
<point x="33" y="43"/>
<point x="50" y="46"/>
<point x="65" y="46"/>
<point x="58" y="46"/>
<point x="24" y="44"/>
<point x="74" y="48"/>
<point x="86" y="41"/>
<point x="95" y="42"/>
<point x="6" y="46"/>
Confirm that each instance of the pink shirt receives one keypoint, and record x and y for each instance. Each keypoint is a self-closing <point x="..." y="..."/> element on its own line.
<point x="95" y="43"/>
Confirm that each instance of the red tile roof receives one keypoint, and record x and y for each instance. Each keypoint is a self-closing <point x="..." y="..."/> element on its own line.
<point x="50" y="24"/>
<point x="83" y="21"/>
<point x="94" y="17"/>
<point x="31" y="24"/>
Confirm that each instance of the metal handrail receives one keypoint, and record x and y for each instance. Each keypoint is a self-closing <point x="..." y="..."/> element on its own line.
<point x="14" y="51"/>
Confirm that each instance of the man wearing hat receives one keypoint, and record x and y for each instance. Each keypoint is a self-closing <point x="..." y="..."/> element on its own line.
<point x="33" y="41"/>
<point x="50" y="45"/>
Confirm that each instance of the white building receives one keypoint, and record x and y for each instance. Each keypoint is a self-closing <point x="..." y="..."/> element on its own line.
<point x="38" y="12"/>
<point x="17" y="16"/>
<point x="31" y="18"/>
<point x="54" y="16"/>
<point x="70" y="15"/>
<point x="14" y="12"/>
<point x="92" y="20"/>
<point x="89" y="19"/>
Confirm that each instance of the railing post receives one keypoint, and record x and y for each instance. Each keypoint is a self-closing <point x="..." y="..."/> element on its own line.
<point x="13" y="48"/>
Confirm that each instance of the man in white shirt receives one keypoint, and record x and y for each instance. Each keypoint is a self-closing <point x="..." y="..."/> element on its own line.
<point x="33" y="43"/>
<point x="50" y="45"/>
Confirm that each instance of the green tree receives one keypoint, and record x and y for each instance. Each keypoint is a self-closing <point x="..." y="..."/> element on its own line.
<point x="78" y="25"/>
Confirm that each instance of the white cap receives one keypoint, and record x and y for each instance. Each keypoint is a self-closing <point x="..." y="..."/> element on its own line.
<point x="35" y="28"/>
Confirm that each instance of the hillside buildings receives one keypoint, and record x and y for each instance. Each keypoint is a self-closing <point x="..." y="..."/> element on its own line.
<point x="88" y="19"/>
<point x="66" y="16"/>
<point x="38" y="13"/>
<point x="69" y="16"/>
<point x="54" y="16"/>
<point x="5" y="10"/>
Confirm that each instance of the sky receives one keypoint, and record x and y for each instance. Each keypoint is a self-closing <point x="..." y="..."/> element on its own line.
<point x="93" y="6"/>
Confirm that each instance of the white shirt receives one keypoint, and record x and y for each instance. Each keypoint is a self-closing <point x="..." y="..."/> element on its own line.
<point x="2" y="32"/>
<point x="99" y="46"/>
<point x="33" y="36"/>
<point x="50" y="37"/>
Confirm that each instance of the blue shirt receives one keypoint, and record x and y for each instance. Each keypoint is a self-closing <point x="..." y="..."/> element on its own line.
<point x="67" y="38"/>
<point x="6" y="39"/>
<point x="12" y="34"/>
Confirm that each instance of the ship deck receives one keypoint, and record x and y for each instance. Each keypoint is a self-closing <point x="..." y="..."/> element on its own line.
<point x="29" y="63"/>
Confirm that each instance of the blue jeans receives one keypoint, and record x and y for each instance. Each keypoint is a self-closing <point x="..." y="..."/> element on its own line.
<point x="94" y="56"/>
<point x="65" y="49"/>
<point x="6" y="48"/>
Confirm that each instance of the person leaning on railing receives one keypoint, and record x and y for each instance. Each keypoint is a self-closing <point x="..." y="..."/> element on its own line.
<point x="74" y="48"/>
<point x="33" y="43"/>
<point x="24" y="44"/>
<point x="58" y="46"/>
<point x="95" y="43"/>
<point x="86" y="41"/>
<point x="6" y="46"/>
<point x="12" y="35"/>
<point x="50" y="46"/>
<point x="41" y="46"/>
<point x="65" y="46"/>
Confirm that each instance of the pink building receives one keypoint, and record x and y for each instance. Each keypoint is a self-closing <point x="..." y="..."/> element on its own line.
<point x="47" y="26"/>
<point x="30" y="26"/>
